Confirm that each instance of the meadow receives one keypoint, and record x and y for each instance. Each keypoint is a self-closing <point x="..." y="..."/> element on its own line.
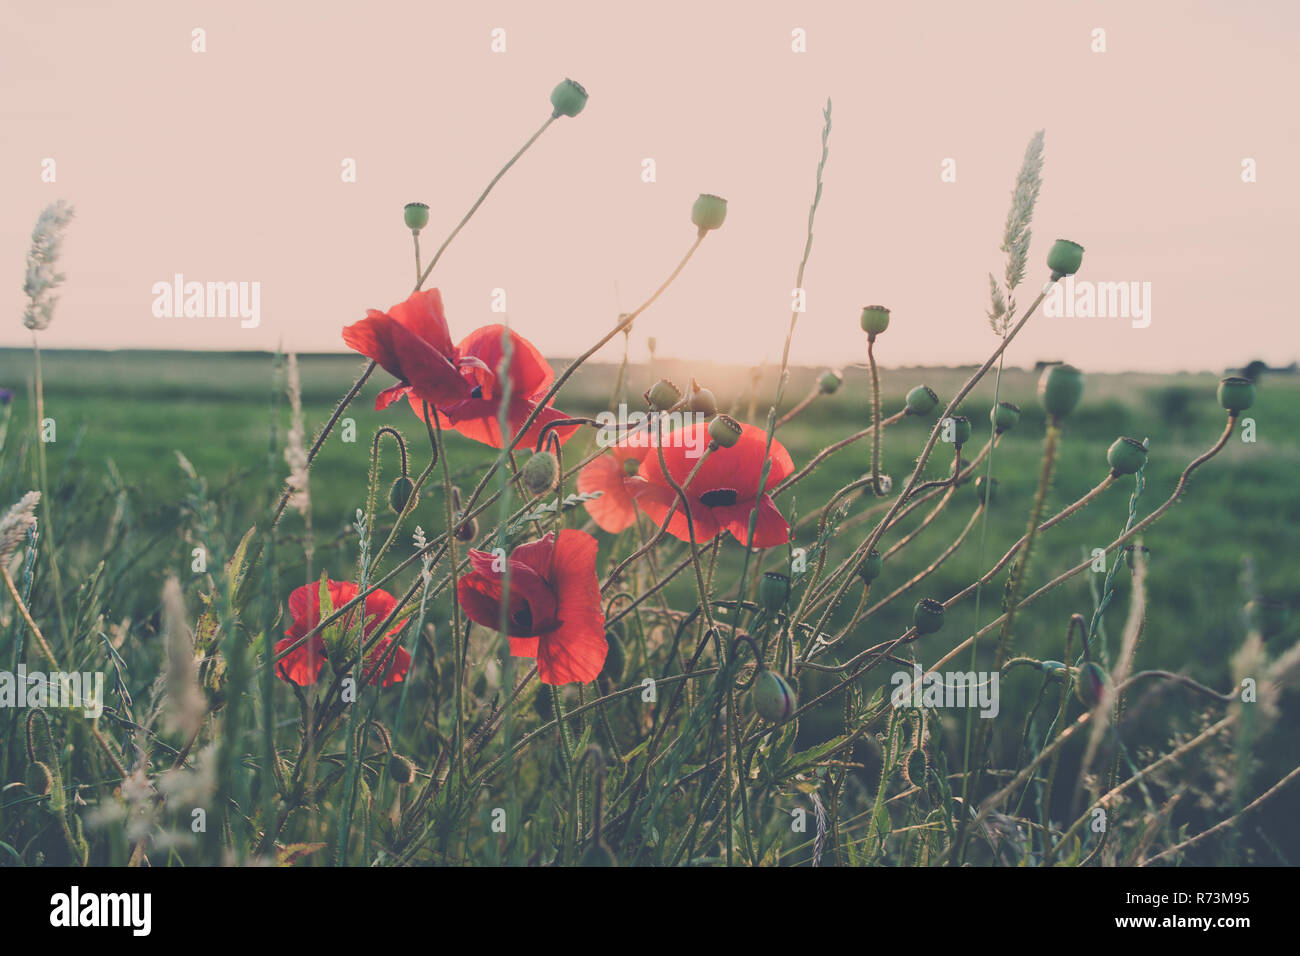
<point x="124" y="516"/>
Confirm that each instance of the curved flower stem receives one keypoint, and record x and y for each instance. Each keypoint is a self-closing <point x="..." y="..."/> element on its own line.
<point x="478" y="202"/>
<point x="804" y="403"/>
<point x="573" y="367"/>
<point x="831" y="449"/>
<point x="324" y="433"/>
<point x="875" y="416"/>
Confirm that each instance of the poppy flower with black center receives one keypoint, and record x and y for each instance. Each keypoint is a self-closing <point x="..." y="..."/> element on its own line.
<point x="478" y="414"/>
<point x="724" y="493"/>
<point x="615" y="509"/>
<point x="303" y="665"/>
<point x="412" y="343"/>
<point x="554" y="609"/>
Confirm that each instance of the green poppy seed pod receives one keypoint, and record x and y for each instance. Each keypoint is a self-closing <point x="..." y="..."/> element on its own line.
<point x="1268" y="616"/>
<point x="725" y="431"/>
<point x="871" y="566"/>
<point x="927" y="616"/>
<point x="568" y="98"/>
<point x="702" y="401"/>
<point x="400" y="769"/>
<point x="1055" y="670"/>
<point x="961" y="429"/>
<point x="1059" y="389"/>
<point x="875" y="319"/>
<point x="1064" y="258"/>
<point x="773" y="591"/>
<point x="598" y="855"/>
<point x="830" y="381"/>
<point x="1090" y="684"/>
<point x="631" y="466"/>
<point x="615" y="658"/>
<point x="1004" y="416"/>
<point x="663" y="395"/>
<point x="1126" y="456"/>
<point x="709" y="212"/>
<point x="540" y="473"/>
<point x="1236" y="394"/>
<point x="988" y="495"/>
<point x="772" y="697"/>
<point x="921" y="400"/>
<point x="416" y="215"/>
<point x="403" y="491"/>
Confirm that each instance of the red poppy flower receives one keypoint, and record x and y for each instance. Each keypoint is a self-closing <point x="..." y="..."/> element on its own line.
<point x="725" y="491"/>
<point x="478" y="415"/>
<point x="412" y="343"/>
<point x="615" y="509"/>
<point x="555" y="614"/>
<point x="303" y="665"/>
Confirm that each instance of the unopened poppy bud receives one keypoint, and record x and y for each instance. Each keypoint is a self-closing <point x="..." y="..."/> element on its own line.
<point x="403" y="491"/>
<point x="1236" y="394"/>
<point x="663" y="395"/>
<point x="871" y="567"/>
<point x="829" y="383"/>
<point x="1090" y="684"/>
<point x="927" y="617"/>
<point x="1268" y="616"/>
<point x="416" y="215"/>
<point x="543" y="705"/>
<point x="1059" y="389"/>
<point x="568" y="98"/>
<point x="961" y="429"/>
<point x="1004" y="416"/>
<point x="598" y="855"/>
<point x="875" y="319"/>
<point x="773" y="591"/>
<point x="986" y="493"/>
<point x="400" y="769"/>
<point x="540" y="473"/>
<point x="1126" y="456"/>
<point x="1064" y="258"/>
<point x="709" y="212"/>
<point x="702" y="401"/>
<point x="1055" y="670"/>
<point x="772" y="697"/>
<point x="651" y="343"/>
<point x="725" y="431"/>
<point x="615" y="658"/>
<point x="921" y="400"/>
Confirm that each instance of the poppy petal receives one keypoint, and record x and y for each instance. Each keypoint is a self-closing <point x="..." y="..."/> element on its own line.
<point x="770" y="529"/>
<point x="423" y="315"/>
<point x="575" y="652"/>
<point x="530" y="373"/>
<point x="398" y="664"/>
<point x="302" y="666"/>
<point x="615" y="509"/>
<point x="656" y="500"/>
<point x="523" y="646"/>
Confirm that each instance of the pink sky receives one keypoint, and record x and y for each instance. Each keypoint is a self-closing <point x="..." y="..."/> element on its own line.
<point x="225" y="166"/>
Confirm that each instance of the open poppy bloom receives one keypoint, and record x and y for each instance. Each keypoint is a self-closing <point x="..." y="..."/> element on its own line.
<point x="615" y="509"/>
<point x="412" y="343"/>
<point x="478" y="414"/>
<point x="303" y="665"/>
<point x="725" y="491"/>
<point x="554" y="612"/>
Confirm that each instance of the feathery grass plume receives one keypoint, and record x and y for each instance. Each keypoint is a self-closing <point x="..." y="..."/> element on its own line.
<point x="184" y="705"/>
<point x="42" y="257"/>
<point x="1016" y="235"/>
<point x="295" y="453"/>
<point x="14" y="525"/>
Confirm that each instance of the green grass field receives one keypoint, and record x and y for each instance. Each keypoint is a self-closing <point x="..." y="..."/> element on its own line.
<point x="121" y="417"/>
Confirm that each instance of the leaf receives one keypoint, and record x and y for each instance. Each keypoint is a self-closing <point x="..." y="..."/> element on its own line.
<point x="291" y="854"/>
